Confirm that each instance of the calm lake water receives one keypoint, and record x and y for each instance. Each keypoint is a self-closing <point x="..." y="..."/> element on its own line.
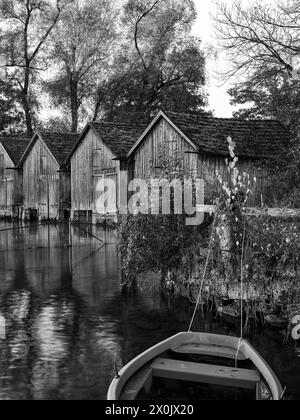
<point x="68" y="322"/>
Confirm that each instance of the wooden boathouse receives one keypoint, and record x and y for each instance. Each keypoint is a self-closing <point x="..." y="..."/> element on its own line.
<point x="100" y="153"/>
<point x="202" y="143"/>
<point x="46" y="176"/>
<point x="11" y="181"/>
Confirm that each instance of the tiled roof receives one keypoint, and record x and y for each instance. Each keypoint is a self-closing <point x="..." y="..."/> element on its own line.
<point x="60" y="144"/>
<point x="118" y="137"/>
<point x="15" y="147"/>
<point x="259" y="139"/>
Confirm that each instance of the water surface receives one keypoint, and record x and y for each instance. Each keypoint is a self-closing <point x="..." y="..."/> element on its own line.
<point x="68" y="322"/>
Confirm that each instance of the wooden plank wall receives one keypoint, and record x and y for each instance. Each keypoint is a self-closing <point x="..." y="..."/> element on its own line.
<point x="8" y="182"/>
<point x="18" y="187"/>
<point x="41" y="182"/>
<point x="164" y="137"/>
<point x="210" y="166"/>
<point x="65" y="193"/>
<point x="92" y="161"/>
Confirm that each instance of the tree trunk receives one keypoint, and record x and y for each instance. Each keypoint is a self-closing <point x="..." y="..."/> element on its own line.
<point x="97" y="107"/>
<point x="74" y="103"/>
<point x="26" y="104"/>
<point x="28" y="117"/>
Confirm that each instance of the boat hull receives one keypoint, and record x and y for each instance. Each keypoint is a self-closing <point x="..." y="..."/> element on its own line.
<point x="215" y="345"/>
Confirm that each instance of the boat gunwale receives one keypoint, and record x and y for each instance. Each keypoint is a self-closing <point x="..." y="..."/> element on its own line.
<point x="118" y="384"/>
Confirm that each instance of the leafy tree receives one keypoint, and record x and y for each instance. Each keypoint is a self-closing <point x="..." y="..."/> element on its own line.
<point x="26" y="26"/>
<point x="160" y="64"/>
<point x="55" y="124"/>
<point x="261" y="41"/>
<point x="81" y="48"/>
<point x="262" y="46"/>
<point x="277" y="97"/>
<point x="11" y="117"/>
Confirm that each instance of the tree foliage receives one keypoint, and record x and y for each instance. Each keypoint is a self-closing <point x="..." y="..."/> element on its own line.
<point x="159" y="242"/>
<point x="262" y="44"/>
<point x="94" y="59"/>
<point x="11" y="117"/>
<point x="81" y="48"/>
<point x="26" y="26"/>
<point x="261" y="41"/>
<point x="160" y="64"/>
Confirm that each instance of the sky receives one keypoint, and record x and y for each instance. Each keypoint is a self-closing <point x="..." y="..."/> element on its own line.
<point x="219" y="100"/>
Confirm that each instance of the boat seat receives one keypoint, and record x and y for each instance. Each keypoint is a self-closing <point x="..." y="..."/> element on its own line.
<point x="142" y="379"/>
<point x="209" y="350"/>
<point x="205" y="374"/>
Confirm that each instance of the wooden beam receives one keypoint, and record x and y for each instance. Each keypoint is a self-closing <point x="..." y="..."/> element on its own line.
<point x="274" y="212"/>
<point x="209" y="350"/>
<point x="257" y="212"/>
<point x="207" y="374"/>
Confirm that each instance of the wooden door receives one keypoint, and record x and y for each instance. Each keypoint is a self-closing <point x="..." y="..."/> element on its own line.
<point x="53" y="188"/>
<point x="49" y="196"/>
<point x="6" y="193"/>
<point x="3" y="194"/>
<point x="43" y="200"/>
<point x="112" y="194"/>
<point x="10" y="193"/>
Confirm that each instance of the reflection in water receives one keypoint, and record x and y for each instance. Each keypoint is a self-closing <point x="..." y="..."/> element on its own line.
<point x="48" y="330"/>
<point x="68" y="322"/>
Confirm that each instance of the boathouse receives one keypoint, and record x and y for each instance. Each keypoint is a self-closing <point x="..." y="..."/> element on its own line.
<point x="46" y="176"/>
<point x="11" y="181"/>
<point x="202" y="142"/>
<point x="100" y="154"/>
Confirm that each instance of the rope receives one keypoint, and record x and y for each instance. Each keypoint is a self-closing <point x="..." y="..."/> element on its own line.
<point x="203" y="278"/>
<point x="242" y="294"/>
<point x="25" y="227"/>
<point x="76" y="223"/>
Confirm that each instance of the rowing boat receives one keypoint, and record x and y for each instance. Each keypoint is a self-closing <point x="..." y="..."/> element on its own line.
<point x="199" y="366"/>
<point x="195" y="360"/>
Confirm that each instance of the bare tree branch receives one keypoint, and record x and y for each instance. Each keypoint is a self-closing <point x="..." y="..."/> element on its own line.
<point x="136" y="31"/>
<point x="259" y="34"/>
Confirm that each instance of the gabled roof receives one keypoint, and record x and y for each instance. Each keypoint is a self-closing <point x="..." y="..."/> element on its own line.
<point x="59" y="144"/>
<point x="256" y="139"/>
<point x="118" y="137"/>
<point x="15" y="147"/>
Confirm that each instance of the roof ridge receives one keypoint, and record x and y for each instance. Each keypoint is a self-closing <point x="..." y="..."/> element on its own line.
<point x="57" y="132"/>
<point x="224" y="118"/>
<point x="15" y="147"/>
<point x="117" y="123"/>
<point x="14" y="138"/>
